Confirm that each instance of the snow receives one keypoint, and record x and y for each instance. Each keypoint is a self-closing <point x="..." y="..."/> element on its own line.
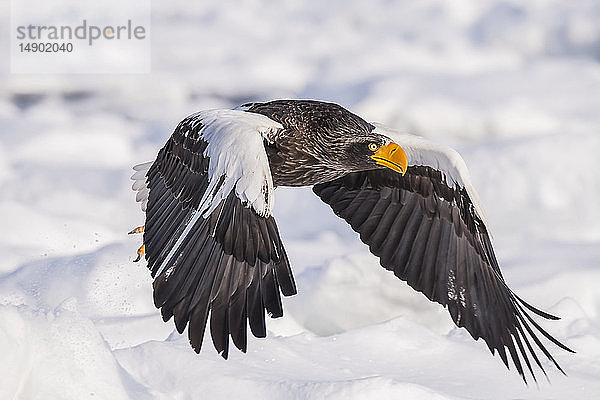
<point x="514" y="86"/>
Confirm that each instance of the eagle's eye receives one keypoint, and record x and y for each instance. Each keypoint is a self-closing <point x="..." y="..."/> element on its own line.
<point x="373" y="146"/>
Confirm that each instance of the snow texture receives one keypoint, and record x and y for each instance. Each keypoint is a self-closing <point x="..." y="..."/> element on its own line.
<point x="513" y="86"/>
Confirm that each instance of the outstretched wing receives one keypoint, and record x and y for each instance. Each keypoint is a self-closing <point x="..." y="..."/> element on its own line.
<point x="428" y="228"/>
<point x="211" y="241"/>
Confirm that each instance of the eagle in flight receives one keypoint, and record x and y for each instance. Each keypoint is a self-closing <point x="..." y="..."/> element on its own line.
<point x="213" y="247"/>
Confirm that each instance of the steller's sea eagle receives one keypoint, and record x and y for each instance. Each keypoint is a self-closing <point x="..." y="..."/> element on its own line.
<point x="212" y="243"/>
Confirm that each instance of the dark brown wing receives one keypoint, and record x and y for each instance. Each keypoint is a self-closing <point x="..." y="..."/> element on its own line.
<point x="429" y="235"/>
<point x="231" y="262"/>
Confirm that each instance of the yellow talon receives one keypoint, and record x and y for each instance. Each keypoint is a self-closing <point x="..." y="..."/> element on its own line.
<point x="140" y="253"/>
<point x="139" y="229"/>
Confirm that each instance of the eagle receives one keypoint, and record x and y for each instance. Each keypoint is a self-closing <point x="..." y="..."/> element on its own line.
<point x="214" y="250"/>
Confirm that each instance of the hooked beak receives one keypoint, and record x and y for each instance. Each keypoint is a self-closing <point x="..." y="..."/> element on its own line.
<point x="391" y="156"/>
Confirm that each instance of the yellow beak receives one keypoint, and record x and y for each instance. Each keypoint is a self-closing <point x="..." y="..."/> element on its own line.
<point x="391" y="156"/>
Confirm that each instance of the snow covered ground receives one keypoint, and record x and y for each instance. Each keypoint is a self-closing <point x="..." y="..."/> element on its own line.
<point x="514" y="86"/>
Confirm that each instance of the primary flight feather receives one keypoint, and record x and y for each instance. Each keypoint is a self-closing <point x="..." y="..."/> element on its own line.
<point x="213" y="246"/>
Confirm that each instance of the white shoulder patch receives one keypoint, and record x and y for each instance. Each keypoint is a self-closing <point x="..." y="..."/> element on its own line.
<point x="238" y="160"/>
<point x="140" y="185"/>
<point x="421" y="151"/>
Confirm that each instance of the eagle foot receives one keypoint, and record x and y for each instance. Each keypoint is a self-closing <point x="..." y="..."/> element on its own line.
<point x="139" y="229"/>
<point x="140" y="253"/>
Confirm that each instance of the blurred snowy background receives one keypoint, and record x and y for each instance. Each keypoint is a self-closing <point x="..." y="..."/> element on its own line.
<point x="513" y="85"/>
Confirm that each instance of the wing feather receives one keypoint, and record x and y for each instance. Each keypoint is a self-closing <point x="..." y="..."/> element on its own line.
<point x="426" y="227"/>
<point x="256" y="309"/>
<point x="211" y="242"/>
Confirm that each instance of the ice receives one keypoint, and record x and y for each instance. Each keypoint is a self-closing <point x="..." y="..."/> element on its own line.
<point x="514" y="86"/>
